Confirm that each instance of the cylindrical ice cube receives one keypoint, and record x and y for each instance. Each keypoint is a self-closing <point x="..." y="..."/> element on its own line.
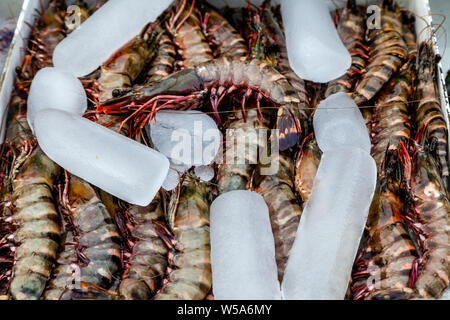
<point x="338" y="123"/>
<point x="331" y="227"/>
<point x="55" y="89"/>
<point x="108" y="160"/>
<point x="108" y="29"/>
<point x="242" y="248"/>
<point x="315" y="50"/>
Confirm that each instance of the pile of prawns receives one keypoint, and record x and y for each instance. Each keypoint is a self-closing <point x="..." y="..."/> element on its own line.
<point x="61" y="238"/>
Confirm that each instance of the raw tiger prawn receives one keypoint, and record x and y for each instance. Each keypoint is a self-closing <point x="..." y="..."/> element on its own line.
<point x="391" y="121"/>
<point x="46" y="34"/>
<point x="225" y="38"/>
<point x="272" y="34"/>
<point x="428" y="116"/>
<point x="277" y="188"/>
<point x="384" y="268"/>
<point x="17" y="149"/>
<point x="236" y="173"/>
<point x="36" y="224"/>
<point x="388" y="51"/>
<point x="429" y="208"/>
<point x="186" y="29"/>
<point x="30" y="216"/>
<point x="409" y="34"/>
<point x="164" y="62"/>
<point x="90" y="258"/>
<point x="284" y="209"/>
<point x="306" y="167"/>
<point x="126" y="64"/>
<point x="186" y="89"/>
<point x="147" y="261"/>
<point x="189" y="274"/>
<point x="351" y="29"/>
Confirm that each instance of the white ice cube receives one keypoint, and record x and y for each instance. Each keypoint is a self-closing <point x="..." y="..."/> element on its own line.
<point x="108" y="160"/>
<point x="338" y="123"/>
<point x="315" y="50"/>
<point x="55" y="89"/>
<point x="445" y="295"/>
<point x="331" y="227"/>
<point x="108" y="29"/>
<point x="172" y="180"/>
<point x="242" y="248"/>
<point x="204" y="173"/>
<point x="186" y="137"/>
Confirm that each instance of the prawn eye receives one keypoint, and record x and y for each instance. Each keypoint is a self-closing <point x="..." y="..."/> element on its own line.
<point x="116" y="93"/>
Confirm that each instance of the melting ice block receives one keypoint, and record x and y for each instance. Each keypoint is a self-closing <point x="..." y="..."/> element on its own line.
<point x="172" y="180"/>
<point x="331" y="227"/>
<point x="186" y="137"/>
<point x="242" y="248"/>
<point x="338" y="123"/>
<point x="108" y="29"/>
<point x="315" y="50"/>
<point x="55" y="89"/>
<point x="204" y="173"/>
<point x="108" y="160"/>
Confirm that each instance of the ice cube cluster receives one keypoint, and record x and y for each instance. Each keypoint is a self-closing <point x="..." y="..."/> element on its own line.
<point x="57" y="101"/>
<point x="334" y="218"/>
<point x="315" y="50"/>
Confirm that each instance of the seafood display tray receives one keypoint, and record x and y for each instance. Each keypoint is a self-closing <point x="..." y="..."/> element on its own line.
<point x="419" y="8"/>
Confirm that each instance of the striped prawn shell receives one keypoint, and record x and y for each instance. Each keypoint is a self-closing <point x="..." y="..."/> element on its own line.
<point x="384" y="271"/>
<point x="148" y="262"/>
<point x="409" y="34"/>
<point x="351" y="29"/>
<point x="97" y="258"/>
<point x="391" y="121"/>
<point x="306" y="167"/>
<point x="261" y="77"/>
<point x="125" y="65"/>
<point x="191" y="42"/>
<point x="189" y="276"/>
<point x="429" y="119"/>
<point x="284" y="209"/>
<point x="37" y="226"/>
<point x="49" y="30"/>
<point x="431" y="207"/>
<point x="273" y="30"/>
<point x="236" y="170"/>
<point x="164" y="61"/>
<point x="18" y="131"/>
<point x="388" y="52"/>
<point x="223" y="35"/>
